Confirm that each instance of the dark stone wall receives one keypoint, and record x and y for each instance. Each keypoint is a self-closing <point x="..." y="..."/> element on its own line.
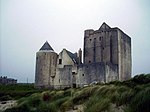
<point x="109" y="45"/>
<point x="101" y="46"/>
<point x="88" y="73"/>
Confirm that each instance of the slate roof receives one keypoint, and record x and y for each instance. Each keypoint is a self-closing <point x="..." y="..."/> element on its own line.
<point x="73" y="56"/>
<point x="46" y="46"/>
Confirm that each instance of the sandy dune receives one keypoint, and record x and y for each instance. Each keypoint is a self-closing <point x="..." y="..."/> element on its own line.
<point x="7" y="104"/>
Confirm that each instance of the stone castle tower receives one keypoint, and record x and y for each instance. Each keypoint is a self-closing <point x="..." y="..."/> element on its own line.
<point x="46" y="62"/>
<point x="109" y="46"/>
<point x="106" y="57"/>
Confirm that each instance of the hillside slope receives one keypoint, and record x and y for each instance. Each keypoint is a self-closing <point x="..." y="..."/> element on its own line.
<point x="128" y="96"/>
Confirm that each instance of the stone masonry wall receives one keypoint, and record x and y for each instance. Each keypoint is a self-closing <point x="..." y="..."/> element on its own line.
<point x="124" y="54"/>
<point x="45" y="68"/>
<point x="101" y="46"/>
<point x="111" y="72"/>
<point x="63" y="77"/>
<point x="87" y="73"/>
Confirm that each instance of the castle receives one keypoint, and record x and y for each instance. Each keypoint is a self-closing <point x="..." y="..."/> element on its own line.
<point x="106" y="57"/>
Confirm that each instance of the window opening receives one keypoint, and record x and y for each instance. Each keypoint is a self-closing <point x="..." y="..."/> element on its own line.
<point x="60" y="61"/>
<point x="73" y="73"/>
<point x="100" y="38"/>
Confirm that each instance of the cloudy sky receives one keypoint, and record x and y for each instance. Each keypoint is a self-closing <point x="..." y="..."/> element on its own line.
<point x="26" y="24"/>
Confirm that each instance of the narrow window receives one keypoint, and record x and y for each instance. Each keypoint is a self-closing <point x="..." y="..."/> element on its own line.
<point x="89" y="61"/>
<point x="53" y="62"/>
<point x="100" y="38"/>
<point x="60" y="61"/>
<point x="82" y="74"/>
<point x="90" y="39"/>
<point x="73" y="73"/>
<point x="59" y="80"/>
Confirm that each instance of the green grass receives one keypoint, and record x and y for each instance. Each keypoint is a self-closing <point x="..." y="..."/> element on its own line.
<point x="97" y="104"/>
<point x="17" y="91"/>
<point x="128" y="96"/>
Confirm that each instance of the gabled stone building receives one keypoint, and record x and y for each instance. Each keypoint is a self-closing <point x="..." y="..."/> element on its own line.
<point x="106" y="57"/>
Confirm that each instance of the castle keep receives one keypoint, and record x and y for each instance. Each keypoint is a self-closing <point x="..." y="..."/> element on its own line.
<point x="106" y="57"/>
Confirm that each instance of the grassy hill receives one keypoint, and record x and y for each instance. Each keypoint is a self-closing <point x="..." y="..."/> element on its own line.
<point x="128" y="96"/>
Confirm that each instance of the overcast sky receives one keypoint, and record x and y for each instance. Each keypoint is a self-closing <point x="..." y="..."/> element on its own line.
<point x="26" y="24"/>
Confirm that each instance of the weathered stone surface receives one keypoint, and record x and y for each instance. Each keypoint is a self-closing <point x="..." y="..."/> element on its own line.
<point x="46" y="62"/>
<point x="109" y="45"/>
<point x="106" y="57"/>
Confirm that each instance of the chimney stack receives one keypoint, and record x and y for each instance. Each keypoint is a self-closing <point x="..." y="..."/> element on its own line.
<point x="80" y="56"/>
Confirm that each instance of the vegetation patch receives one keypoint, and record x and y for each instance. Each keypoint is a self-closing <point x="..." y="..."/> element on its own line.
<point x="128" y="96"/>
